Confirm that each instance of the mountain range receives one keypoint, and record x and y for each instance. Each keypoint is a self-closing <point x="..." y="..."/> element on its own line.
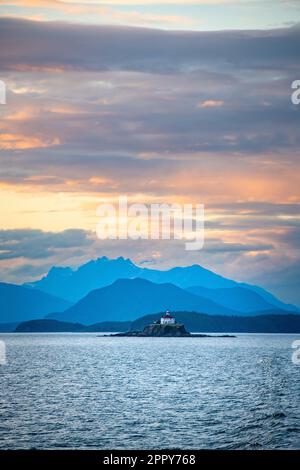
<point x="239" y="299"/>
<point x="274" y="322"/>
<point x="109" y="290"/>
<point x="18" y="303"/>
<point x="73" y="285"/>
<point x="193" y="321"/>
<point x="127" y="299"/>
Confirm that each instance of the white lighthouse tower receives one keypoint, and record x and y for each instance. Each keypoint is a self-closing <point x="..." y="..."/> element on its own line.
<point x="167" y="319"/>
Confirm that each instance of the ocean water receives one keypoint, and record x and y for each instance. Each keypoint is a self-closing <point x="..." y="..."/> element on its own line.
<point x="86" y="391"/>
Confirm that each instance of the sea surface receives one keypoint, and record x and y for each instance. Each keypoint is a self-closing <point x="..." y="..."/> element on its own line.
<point x="89" y="391"/>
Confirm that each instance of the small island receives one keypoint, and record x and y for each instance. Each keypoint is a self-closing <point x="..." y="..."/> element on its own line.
<point x="168" y="327"/>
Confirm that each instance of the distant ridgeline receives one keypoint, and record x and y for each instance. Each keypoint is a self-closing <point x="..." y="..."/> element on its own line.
<point x="107" y="294"/>
<point x="194" y="322"/>
<point x="165" y="327"/>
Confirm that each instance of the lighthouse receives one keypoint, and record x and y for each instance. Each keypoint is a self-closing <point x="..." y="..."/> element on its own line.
<point x="167" y="319"/>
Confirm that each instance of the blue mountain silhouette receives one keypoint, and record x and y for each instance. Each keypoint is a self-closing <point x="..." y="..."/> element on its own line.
<point x="128" y="299"/>
<point x="73" y="285"/>
<point x="239" y="299"/>
<point x="18" y="303"/>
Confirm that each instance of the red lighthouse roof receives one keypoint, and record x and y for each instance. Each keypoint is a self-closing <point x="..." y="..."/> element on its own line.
<point x="167" y="315"/>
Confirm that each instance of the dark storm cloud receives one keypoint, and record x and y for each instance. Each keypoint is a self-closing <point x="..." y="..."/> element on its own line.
<point x="258" y="208"/>
<point x="37" y="244"/>
<point x="29" y="270"/>
<point x="217" y="246"/>
<point x="79" y="47"/>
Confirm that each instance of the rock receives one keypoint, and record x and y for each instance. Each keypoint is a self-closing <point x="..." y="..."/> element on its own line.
<point x="157" y="329"/>
<point x="176" y="330"/>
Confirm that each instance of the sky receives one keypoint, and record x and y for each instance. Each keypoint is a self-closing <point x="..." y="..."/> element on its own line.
<point x="186" y="102"/>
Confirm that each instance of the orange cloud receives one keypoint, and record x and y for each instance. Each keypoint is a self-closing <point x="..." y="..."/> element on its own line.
<point x="210" y="104"/>
<point x="22" y="142"/>
<point x="24" y="114"/>
<point x="102" y="12"/>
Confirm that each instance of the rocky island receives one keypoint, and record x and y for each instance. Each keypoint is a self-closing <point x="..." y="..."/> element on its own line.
<point x="167" y="327"/>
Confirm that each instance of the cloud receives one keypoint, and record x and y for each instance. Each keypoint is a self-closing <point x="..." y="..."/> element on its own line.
<point x="210" y="104"/>
<point x="160" y="116"/>
<point x="139" y="92"/>
<point x="282" y="279"/>
<point x="232" y="14"/>
<point x="28" y="45"/>
<point x="41" y="10"/>
<point x="30" y="271"/>
<point x="154" y="2"/>
<point x="218" y="246"/>
<point x="250" y="262"/>
<point x="23" y="142"/>
<point x="36" y="244"/>
<point x="69" y="5"/>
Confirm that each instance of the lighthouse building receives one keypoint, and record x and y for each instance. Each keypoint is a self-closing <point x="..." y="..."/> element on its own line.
<point x="167" y="319"/>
